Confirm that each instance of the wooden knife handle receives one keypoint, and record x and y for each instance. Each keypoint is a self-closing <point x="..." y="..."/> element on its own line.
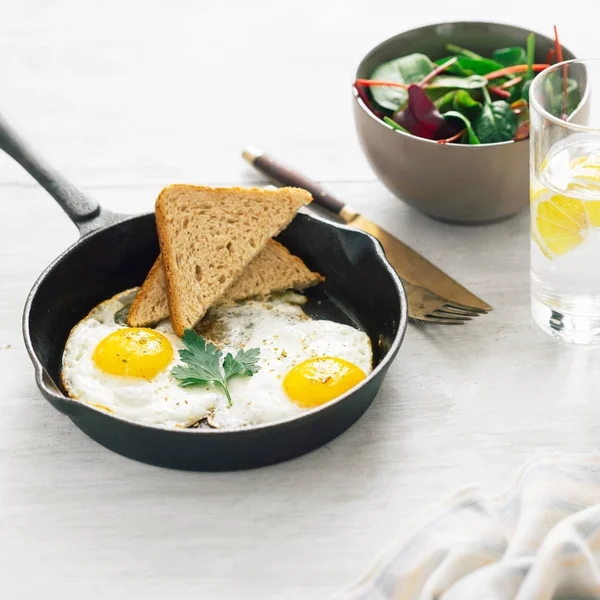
<point x="285" y="176"/>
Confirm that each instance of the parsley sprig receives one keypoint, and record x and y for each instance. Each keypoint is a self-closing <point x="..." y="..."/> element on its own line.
<point x="204" y="363"/>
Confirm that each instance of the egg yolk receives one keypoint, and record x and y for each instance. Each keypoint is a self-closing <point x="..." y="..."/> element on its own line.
<point x="133" y="352"/>
<point x="319" y="380"/>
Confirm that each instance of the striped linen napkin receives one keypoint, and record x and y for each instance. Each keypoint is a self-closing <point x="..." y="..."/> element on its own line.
<point x="538" y="541"/>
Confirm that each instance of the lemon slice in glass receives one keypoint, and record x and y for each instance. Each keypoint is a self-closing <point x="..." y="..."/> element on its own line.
<point x="585" y="174"/>
<point x="560" y="223"/>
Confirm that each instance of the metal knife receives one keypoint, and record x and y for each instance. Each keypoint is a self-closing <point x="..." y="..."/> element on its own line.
<point x="409" y="264"/>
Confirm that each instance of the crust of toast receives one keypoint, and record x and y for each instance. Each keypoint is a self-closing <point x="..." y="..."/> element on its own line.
<point x="150" y="304"/>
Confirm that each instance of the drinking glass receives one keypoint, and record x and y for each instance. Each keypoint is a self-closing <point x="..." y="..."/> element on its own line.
<point x="565" y="200"/>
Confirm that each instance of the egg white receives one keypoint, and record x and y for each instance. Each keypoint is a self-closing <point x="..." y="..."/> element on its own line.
<point x="159" y="401"/>
<point x="279" y="328"/>
<point x="261" y="399"/>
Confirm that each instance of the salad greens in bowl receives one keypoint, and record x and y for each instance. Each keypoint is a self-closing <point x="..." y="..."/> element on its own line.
<point x="442" y="114"/>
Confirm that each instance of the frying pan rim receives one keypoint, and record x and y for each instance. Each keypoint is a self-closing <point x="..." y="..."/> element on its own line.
<point x="376" y="247"/>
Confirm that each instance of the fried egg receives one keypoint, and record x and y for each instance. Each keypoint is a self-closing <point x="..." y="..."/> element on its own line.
<point x="126" y="370"/>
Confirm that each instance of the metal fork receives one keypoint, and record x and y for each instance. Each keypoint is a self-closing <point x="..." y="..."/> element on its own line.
<point x="427" y="306"/>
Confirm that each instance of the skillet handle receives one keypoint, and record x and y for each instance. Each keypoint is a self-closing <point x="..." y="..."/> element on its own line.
<point x="82" y="210"/>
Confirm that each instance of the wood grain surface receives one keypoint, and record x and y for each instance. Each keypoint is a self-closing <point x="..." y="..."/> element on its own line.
<point x="127" y="97"/>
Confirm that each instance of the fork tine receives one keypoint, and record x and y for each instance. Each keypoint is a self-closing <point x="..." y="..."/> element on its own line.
<point x="430" y="318"/>
<point x="435" y="315"/>
<point x="427" y="306"/>
<point x="454" y="312"/>
<point x="443" y="321"/>
<point x="464" y="307"/>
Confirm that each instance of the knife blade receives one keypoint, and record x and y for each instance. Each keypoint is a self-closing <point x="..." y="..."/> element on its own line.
<point x="409" y="264"/>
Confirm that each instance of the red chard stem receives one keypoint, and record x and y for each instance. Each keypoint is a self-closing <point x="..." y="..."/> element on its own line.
<point x="559" y="58"/>
<point x="451" y="139"/>
<point x="437" y="71"/>
<point x="498" y="91"/>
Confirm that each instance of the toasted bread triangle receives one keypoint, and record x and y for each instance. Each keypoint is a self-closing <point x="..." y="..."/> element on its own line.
<point x="207" y="237"/>
<point x="273" y="269"/>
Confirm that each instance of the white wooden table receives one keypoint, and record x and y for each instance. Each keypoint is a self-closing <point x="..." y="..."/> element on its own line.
<point x="127" y="97"/>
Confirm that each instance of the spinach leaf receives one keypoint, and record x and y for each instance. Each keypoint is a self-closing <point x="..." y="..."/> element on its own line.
<point x="465" y="104"/>
<point x="473" y="139"/>
<point x="516" y="92"/>
<point x="455" y="69"/>
<point x="439" y="88"/>
<point x="462" y="52"/>
<point x="466" y="66"/>
<point x="509" y="57"/>
<point x="478" y="66"/>
<point x="446" y="102"/>
<point x="473" y="82"/>
<point x="406" y="69"/>
<point x="460" y="101"/>
<point x="496" y="123"/>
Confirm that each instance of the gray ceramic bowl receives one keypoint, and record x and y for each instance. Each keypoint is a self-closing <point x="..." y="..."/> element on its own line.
<point x="454" y="182"/>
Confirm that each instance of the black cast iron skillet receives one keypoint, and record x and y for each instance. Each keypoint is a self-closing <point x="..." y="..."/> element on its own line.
<point x="116" y="251"/>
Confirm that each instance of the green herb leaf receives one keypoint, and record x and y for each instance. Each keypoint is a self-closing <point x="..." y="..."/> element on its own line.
<point x="203" y="363"/>
<point x="244" y="363"/>
<point x="203" y="360"/>
<point x="406" y="69"/>
<point x="462" y="52"/>
<point x="508" y="57"/>
<point x="496" y="123"/>
<point x="394" y="125"/>
<point x="452" y="114"/>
